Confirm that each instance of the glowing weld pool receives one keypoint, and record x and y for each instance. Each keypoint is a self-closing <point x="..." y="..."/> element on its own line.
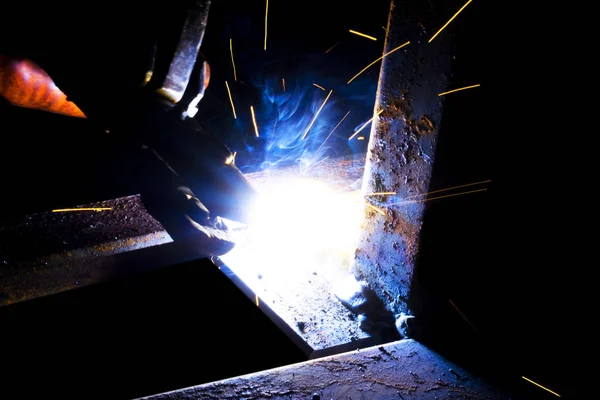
<point x="301" y="242"/>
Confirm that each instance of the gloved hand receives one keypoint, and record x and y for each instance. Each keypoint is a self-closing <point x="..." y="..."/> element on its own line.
<point x="190" y="179"/>
<point x="187" y="220"/>
<point x="187" y="178"/>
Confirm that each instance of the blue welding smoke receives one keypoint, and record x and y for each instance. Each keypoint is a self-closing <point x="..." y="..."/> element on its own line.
<point x="280" y="84"/>
<point x="296" y="118"/>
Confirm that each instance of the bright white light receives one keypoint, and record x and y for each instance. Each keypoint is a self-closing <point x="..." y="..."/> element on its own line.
<point x="299" y="226"/>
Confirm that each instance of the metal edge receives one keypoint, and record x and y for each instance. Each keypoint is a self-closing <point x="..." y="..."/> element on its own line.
<point x="272" y="315"/>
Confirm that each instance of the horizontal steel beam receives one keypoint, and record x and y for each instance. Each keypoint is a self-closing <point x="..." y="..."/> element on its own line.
<point x="50" y="252"/>
<point x="403" y="370"/>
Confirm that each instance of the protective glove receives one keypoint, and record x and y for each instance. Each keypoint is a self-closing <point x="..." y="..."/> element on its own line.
<point x="192" y="185"/>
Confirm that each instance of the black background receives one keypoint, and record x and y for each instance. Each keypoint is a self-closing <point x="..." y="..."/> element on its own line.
<point x="187" y="325"/>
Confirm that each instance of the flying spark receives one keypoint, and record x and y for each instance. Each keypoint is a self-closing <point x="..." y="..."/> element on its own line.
<point x="83" y="209"/>
<point x="450" y="20"/>
<point x="386" y="54"/>
<point x="316" y="115"/>
<point x="450" y="188"/>
<point x="231" y="100"/>
<point x="365" y="124"/>
<point x="537" y="384"/>
<point x="254" y="120"/>
<point x="338" y="124"/>
<point x="266" y="15"/>
<point x="319" y="86"/>
<point x="232" y="62"/>
<point x="283" y="83"/>
<point x="257" y="301"/>
<point x="435" y="198"/>
<point x="462" y="88"/>
<point x="229" y="160"/>
<point x="380" y="211"/>
<point x="380" y="194"/>
<point x="363" y="35"/>
<point x="360" y="138"/>
<point x="317" y="163"/>
<point x="331" y="48"/>
<point x="463" y="315"/>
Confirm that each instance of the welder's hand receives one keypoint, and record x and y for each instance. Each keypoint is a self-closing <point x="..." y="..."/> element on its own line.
<point x="192" y="180"/>
<point x="190" y="185"/>
<point x="169" y="200"/>
<point x="185" y="218"/>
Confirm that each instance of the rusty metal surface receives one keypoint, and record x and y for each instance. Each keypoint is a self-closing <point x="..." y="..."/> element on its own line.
<point x="180" y="69"/>
<point x="401" y="149"/>
<point x="50" y="252"/>
<point x="400" y="370"/>
<point x="49" y="232"/>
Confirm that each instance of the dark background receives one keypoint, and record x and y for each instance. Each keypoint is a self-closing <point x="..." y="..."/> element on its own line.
<point x="188" y="324"/>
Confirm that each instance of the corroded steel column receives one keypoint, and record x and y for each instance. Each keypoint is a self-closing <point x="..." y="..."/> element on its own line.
<point x="402" y="147"/>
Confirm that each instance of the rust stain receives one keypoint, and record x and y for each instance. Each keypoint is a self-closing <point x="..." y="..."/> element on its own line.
<point x="425" y="125"/>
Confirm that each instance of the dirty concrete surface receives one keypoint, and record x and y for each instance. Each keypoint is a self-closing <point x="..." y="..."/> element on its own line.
<point x="403" y="370"/>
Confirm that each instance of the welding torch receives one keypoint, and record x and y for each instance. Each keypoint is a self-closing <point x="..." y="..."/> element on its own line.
<point x="195" y="186"/>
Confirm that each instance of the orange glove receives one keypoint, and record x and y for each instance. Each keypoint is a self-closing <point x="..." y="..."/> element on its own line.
<point x="23" y="83"/>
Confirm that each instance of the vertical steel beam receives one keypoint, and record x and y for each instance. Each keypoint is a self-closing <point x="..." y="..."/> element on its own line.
<point x="402" y="147"/>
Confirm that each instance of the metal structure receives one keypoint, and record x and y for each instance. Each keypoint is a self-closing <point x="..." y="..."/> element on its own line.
<point x="401" y="153"/>
<point x="398" y="370"/>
